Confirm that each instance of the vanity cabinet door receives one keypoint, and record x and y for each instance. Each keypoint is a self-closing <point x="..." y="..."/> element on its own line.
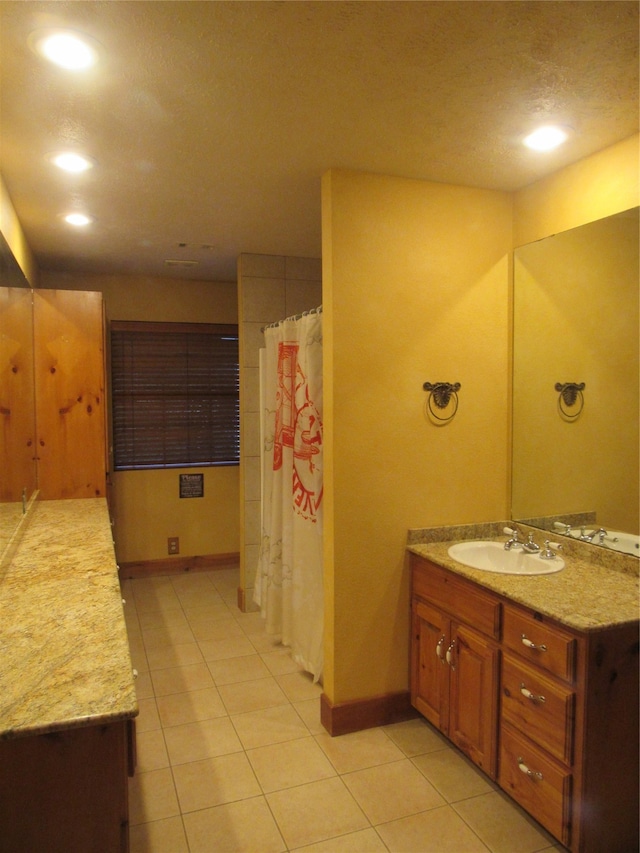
<point x="474" y="696"/>
<point x="455" y="665"/>
<point x="430" y="672"/>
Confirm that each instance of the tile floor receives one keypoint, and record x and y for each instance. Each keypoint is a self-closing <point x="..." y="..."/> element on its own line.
<point x="232" y="756"/>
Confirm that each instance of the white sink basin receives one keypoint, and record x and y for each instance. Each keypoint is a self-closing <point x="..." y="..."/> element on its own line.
<point x="491" y="557"/>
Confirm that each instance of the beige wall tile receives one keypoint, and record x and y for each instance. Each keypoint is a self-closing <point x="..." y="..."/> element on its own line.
<point x="265" y="266"/>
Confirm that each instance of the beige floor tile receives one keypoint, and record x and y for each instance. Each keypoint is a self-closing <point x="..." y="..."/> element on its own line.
<point x="144" y="685"/>
<point x="160" y="836"/>
<point x="359" y="750"/>
<point x="233" y="670"/>
<point x="169" y="618"/>
<point x="152" y="796"/>
<point x="232" y="647"/>
<point x="269" y="726"/>
<point x="216" y="629"/>
<point x="154" y="595"/>
<point x="151" y="751"/>
<point x="436" y="831"/>
<point x="266" y="643"/>
<point x="181" y="679"/>
<point x="241" y="827"/>
<point x="416" y="737"/>
<point x="309" y="711"/>
<point x="391" y="791"/>
<point x="204" y="784"/>
<point x="295" y="762"/>
<point x="500" y="823"/>
<point x="453" y="775"/>
<point x="148" y="719"/>
<point x="280" y="661"/>
<point x="166" y="634"/>
<point x="251" y="623"/>
<point x="179" y="708"/>
<point x="182" y="654"/>
<point x="251" y="695"/>
<point x="365" y="841"/>
<point x="138" y="655"/>
<point x="299" y="686"/>
<point x="200" y="740"/>
<point x="202" y="612"/>
<point x="316" y="812"/>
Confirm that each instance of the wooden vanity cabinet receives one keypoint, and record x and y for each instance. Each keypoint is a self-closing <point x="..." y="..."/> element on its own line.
<point x="564" y="743"/>
<point x="455" y="671"/>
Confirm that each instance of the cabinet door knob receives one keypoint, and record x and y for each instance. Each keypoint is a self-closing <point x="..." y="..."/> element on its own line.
<point x="439" y="646"/>
<point x="526" y="642"/>
<point x="532" y="774"/>
<point x="450" y="655"/>
<point x="531" y="696"/>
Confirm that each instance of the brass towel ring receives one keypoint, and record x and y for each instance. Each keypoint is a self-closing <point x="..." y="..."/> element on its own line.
<point x="440" y="395"/>
<point x="570" y="394"/>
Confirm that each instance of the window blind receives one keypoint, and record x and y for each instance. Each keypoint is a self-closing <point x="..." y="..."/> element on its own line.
<point x="175" y="395"/>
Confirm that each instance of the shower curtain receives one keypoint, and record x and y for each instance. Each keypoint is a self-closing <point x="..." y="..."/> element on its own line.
<point x="288" y="585"/>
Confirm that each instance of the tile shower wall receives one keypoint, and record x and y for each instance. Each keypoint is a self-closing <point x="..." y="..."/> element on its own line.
<point x="270" y="288"/>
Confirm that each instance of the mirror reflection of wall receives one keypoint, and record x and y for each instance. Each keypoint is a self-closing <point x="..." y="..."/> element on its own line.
<point x="17" y="404"/>
<point x="576" y="319"/>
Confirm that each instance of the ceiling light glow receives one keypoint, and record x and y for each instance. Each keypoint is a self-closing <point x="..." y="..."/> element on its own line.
<point x="78" y="219"/>
<point x="69" y="161"/>
<point x="546" y="138"/>
<point x="66" y="49"/>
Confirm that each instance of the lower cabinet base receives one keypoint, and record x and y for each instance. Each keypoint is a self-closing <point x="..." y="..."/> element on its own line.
<point x="65" y="792"/>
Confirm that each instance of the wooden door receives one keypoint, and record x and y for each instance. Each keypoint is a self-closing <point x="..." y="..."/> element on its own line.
<point x="70" y="394"/>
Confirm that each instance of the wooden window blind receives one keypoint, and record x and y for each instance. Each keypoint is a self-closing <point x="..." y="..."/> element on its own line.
<point x="175" y="395"/>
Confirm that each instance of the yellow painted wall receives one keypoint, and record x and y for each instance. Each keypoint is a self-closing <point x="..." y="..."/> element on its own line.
<point x="146" y="504"/>
<point x="415" y="288"/>
<point x="12" y="232"/>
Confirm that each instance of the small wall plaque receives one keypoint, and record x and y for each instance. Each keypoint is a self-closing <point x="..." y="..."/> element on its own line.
<point x="191" y="485"/>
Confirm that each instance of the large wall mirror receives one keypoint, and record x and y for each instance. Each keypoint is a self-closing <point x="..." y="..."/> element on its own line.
<point x="576" y="382"/>
<point x="18" y="475"/>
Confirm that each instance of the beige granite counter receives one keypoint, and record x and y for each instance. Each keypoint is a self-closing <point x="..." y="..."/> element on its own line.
<point x="63" y="640"/>
<point x="595" y="590"/>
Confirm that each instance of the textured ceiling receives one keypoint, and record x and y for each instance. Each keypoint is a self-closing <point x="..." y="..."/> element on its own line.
<point x="212" y="122"/>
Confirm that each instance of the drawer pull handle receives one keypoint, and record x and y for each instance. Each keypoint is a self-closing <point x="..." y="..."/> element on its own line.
<point x="439" y="645"/>
<point x="450" y="655"/>
<point x="532" y="774"/>
<point x="526" y="642"/>
<point x="529" y="695"/>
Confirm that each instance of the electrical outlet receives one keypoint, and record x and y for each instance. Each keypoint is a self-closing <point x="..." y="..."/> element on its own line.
<point x="173" y="545"/>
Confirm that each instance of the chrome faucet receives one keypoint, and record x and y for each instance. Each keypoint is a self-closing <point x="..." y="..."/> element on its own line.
<point x="530" y="546"/>
<point x="589" y="537"/>
<point x="514" y="541"/>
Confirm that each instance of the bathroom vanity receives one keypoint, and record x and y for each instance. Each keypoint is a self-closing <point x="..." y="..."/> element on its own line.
<point x="535" y="679"/>
<point x="67" y="694"/>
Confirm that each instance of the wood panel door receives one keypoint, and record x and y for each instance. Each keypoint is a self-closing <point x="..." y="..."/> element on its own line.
<point x="70" y="394"/>
<point x="430" y="677"/>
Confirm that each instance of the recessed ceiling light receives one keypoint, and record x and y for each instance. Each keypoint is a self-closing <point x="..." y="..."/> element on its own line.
<point x="78" y="219"/>
<point x="546" y="138"/>
<point x="69" y="161"/>
<point x="65" y="48"/>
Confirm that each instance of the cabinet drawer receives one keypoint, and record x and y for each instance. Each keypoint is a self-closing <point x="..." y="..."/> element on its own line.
<point x="455" y="595"/>
<point x="541" y="709"/>
<point x="547" y="646"/>
<point x="538" y="783"/>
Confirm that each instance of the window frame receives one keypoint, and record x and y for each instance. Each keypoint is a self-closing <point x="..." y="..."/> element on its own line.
<point x="174" y="400"/>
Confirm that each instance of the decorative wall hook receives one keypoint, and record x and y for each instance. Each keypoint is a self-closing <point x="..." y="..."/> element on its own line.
<point x="440" y="395"/>
<point x="570" y="394"/>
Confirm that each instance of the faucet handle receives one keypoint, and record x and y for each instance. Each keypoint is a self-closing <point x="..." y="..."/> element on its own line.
<point x="548" y="552"/>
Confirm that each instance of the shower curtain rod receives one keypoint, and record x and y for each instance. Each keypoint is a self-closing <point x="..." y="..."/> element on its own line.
<point x="317" y="310"/>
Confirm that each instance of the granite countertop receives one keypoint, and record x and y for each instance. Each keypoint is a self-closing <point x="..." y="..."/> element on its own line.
<point x="63" y="639"/>
<point x="586" y="595"/>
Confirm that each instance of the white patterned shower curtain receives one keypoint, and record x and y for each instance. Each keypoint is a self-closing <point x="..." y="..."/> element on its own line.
<point x="288" y="585"/>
